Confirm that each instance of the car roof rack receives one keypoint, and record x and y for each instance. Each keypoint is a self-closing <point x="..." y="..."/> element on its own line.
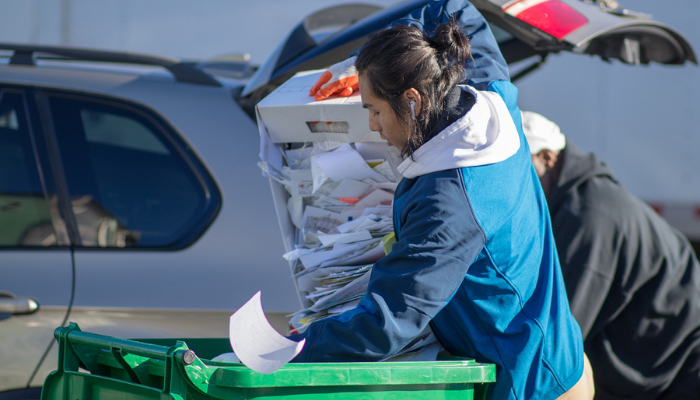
<point x="26" y="54"/>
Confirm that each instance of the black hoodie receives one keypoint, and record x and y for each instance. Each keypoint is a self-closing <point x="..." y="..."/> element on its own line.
<point x="633" y="281"/>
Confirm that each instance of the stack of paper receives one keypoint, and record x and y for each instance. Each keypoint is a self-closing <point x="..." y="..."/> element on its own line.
<point x="340" y="202"/>
<point x="339" y="289"/>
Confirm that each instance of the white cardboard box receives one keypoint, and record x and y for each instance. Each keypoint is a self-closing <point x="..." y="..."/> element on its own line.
<point x="282" y="118"/>
<point x="291" y="115"/>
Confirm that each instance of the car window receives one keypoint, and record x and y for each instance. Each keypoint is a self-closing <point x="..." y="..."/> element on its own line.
<point x="116" y="130"/>
<point x="129" y="184"/>
<point x="25" y="215"/>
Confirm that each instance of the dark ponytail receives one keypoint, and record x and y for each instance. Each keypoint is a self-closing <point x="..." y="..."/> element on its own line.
<point x="403" y="57"/>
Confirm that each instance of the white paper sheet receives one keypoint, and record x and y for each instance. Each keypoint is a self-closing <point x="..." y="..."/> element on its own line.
<point x="387" y="171"/>
<point x="318" y="176"/>
<point x="371" y="150"/>
<point x="350" y="188"/>
<point x="356" y="223"/>
<point x="301" y="182"/>
<point x="368" y="256"/>
<point x="356" y="287"/>
<point x="344" y="307"/>
<point x="295" y="254"/>
<point x="388" y="186"/>
<point x="328" y="145"/>
<point x="299" y="158"/>
<point x="351" y="214"/>
<point x="364" y="251"/>
<point x="269" y="171"/>
<point x="375" y="198"/>
<point x="343" y="238"/>
<point x="317" y="258"/>
<point x="256" y="343"/>
<point x="318" y="220"/>
<point x="346" y="162"/>
<point x="295" y="207"/>
<point x="332" y="204"/>
<point x="393" y="157"/>
<point x="327" y="188"/>
<point x="379" y="211"/>
<point x="306" y="283"/>
<point x="270" y="153"/>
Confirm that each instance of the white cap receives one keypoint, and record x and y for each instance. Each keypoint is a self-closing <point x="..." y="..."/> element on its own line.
<point x="541" y="133"/>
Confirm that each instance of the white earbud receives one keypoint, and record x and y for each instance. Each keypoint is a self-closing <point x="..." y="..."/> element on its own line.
<point x="413" y="109"/>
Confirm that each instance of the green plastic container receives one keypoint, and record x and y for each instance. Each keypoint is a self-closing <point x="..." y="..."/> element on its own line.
<point x="96" y="367"/>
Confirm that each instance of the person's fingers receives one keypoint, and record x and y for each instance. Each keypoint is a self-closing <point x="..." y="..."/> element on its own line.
<point x="322" y="80"/>
<point x="345" y="92"/>
<point x="329" y="90"/>
<point x="336" y="87"/>
<point x="352" y="81"/>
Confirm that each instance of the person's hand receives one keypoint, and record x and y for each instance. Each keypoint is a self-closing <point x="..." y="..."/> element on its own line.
<point x="340" y="80"/>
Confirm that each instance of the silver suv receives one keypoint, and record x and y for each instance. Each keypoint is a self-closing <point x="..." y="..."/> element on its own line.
<point x="130" y="199"/>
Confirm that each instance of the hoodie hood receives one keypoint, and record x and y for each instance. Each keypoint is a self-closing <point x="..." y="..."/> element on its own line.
<point x="577" y="168"/>
<point x="485" y="135"/>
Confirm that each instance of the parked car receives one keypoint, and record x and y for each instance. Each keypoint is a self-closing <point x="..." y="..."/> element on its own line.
<point x="130" y="199"/>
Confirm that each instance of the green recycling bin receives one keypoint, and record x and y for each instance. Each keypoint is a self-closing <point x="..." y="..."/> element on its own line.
<point x="96" y="367"/>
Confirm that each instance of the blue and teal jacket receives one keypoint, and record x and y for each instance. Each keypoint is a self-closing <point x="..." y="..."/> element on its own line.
<point x="474" y="259"/>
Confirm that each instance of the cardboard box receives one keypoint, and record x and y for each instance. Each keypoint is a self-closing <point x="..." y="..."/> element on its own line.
<point x="285" y="116"/>
<point x="290" y="115"/>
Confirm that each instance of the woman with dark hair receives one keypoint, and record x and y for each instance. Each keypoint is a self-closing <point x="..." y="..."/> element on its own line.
<point x="474" y="258"/>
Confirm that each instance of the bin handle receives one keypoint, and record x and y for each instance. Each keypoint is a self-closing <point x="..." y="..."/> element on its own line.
<point x="72" y="357"/>
<point x="119" y="356"/>
<point x="75" y="336"/>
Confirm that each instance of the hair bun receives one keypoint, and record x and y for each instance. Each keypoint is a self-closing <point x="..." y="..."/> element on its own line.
<point x="451" y="43"/>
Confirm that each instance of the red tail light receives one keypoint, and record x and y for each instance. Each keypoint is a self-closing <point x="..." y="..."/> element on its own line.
<point x="551" y="16"/>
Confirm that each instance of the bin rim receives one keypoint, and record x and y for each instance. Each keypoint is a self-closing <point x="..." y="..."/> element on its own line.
<point x="355" y="373"/>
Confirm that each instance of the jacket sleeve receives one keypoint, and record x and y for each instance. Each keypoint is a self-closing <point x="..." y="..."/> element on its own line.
<point x="487" y="64"/>
<point x="408" y="287"/>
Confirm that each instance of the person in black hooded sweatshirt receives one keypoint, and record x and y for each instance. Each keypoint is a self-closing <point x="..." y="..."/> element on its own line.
<point x="633" y="281"/>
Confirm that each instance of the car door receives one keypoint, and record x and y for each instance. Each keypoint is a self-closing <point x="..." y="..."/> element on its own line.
<point x="36" y="271"/>
<point x="135" y="194"/>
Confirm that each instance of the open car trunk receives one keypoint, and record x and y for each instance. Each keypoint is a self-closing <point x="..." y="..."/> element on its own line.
<point x="523" y="28"/>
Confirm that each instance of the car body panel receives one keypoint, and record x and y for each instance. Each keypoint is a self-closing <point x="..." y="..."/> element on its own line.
<point x="24" y="338"/>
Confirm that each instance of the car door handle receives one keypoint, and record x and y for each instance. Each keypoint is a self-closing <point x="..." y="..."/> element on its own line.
<point x="10" y="304"/>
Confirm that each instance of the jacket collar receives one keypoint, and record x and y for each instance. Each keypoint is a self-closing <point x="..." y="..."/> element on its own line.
<point x="481" y="134"/>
